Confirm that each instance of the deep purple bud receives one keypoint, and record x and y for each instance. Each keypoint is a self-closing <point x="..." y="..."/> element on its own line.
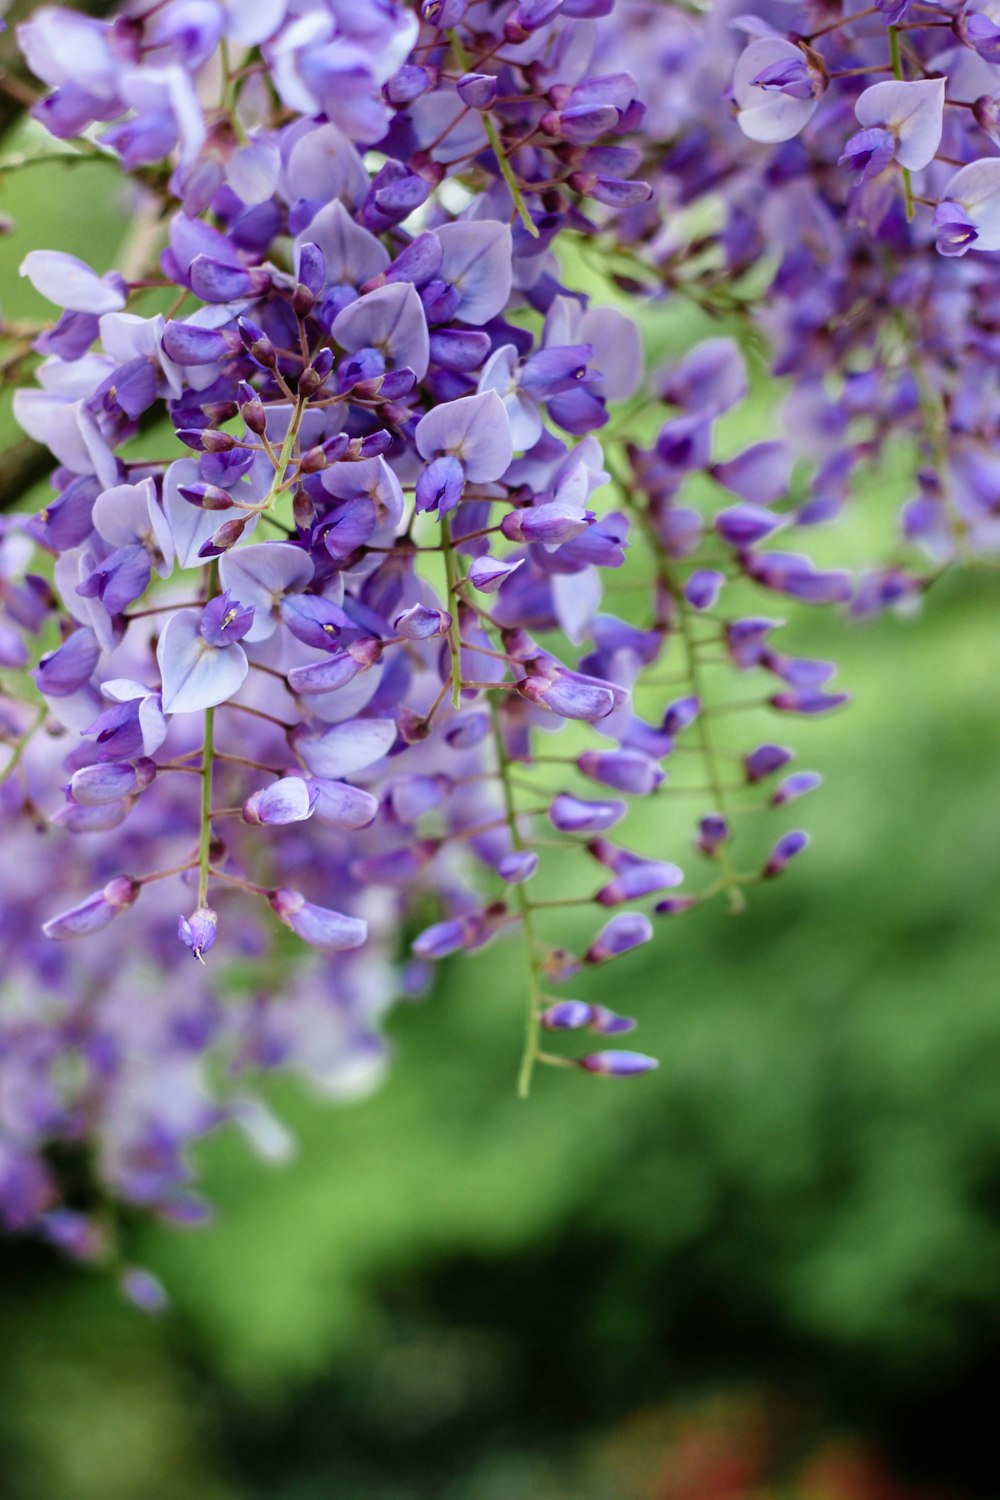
<point x="743" y="525"/>
<point x="96" y="912"/>
<point x="609" y="1023"/>
<point x="713" y="830"/>
<point x="477" y="90"/>
<point x="329" y="931"/>
<point x="703" y="588"/>
<point x="441" y="939"/>
<point x="567" y="1015"/>
<point x="187" y="344"/>
<point x="224" y="537"/>
<point x="252" y="409"/>
<point x="625" y="770"/>
<point x="419" y="623"/>
<point x="785" y="849"/>
<point x="622" y="933"/>
<point x="257" y="344"/>
<point x="199" y="931"/>
<point x="517" y="866"/>
<point x="217" y="281"/>
<point x="680" y="715"/>
<point x="311" y="279"/>
<point x="225" y="620"/>
<point x="206" y="439"/>
<point x="765" y="760"/>
<point x="315" y="375"/>
<point x="796" y="785"/>
<point x="206" y="496"/>
<point x="617" y="1064"/>
<point x="674" y="904"/>
<point x="575" y="815"/>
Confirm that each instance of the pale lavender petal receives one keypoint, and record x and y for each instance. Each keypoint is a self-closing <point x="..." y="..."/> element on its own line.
<point x="913" y="112"/>
<point x="390" y="319"/>
<point x="68" y="282"/>
<point x="473" y="429"/>
<point x="196" y="675"/>
<point x="477" y="262"/>
<point x="344" y="748"/>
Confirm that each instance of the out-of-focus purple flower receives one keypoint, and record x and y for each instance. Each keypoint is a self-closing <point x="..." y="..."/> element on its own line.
<point x="96" y="912"/>
<point x="787" y="847"/>
<point x="329" y="931"/>
<point x="628" y="930"/>
<point x="617" y="1064"/>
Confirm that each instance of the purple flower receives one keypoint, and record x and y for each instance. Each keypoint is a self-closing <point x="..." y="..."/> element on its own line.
<point x="420" y="623"/>
<point x="625" y="770"/>
<point x="575" y="815"/>
<point x="288" y="800"/>
<point x="796" y="785"/>
<point x="567" y="1015"/>
<point x="329" y="931"/>
<point x="622" y="933"/>
<point x="224" y="620"/>
<point x="199" y="931"/>
<point x="787" y="847"/>
<point x="617" y="1064"/>
<point x="96" y="912"/>
<point x="703" y="588"/>
<point x="764" y="761"/>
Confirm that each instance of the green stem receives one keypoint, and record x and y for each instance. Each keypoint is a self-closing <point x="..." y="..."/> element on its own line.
<point x="454" y="581"/>
<point x="895" y="58"/>
<point x="493" y="136"/>
<point x="283" y="460"/>
<point x="19" y="748"/>
<point x="205" y="837"/>
<point x="730" y="880"/>
<point x="532" y="1026"/>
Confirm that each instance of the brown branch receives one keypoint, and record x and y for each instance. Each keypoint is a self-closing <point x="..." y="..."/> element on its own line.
<point x="22" y="465"/>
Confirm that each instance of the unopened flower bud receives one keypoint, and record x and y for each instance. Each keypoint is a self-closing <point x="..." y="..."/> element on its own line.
<point x="199" y="931"/>
<point x="617" y="1064"/>
<point x="96" y="912"/>
<point x="787" y="847"/>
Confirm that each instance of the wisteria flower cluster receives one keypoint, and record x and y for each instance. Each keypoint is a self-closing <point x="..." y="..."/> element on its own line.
<point x="360" y="503"/>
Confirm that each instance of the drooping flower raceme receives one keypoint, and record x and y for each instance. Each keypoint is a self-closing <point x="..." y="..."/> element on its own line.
<point x="375" y="561"/>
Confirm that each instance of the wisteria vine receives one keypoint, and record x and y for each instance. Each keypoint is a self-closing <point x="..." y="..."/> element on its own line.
<point x="364" y="500"/>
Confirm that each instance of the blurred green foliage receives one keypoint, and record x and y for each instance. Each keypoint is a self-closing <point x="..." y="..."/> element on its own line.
<point x="452" y="1294"/>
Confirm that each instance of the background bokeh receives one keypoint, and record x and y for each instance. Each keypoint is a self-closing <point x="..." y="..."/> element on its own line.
<point x="770" y="1270"/>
